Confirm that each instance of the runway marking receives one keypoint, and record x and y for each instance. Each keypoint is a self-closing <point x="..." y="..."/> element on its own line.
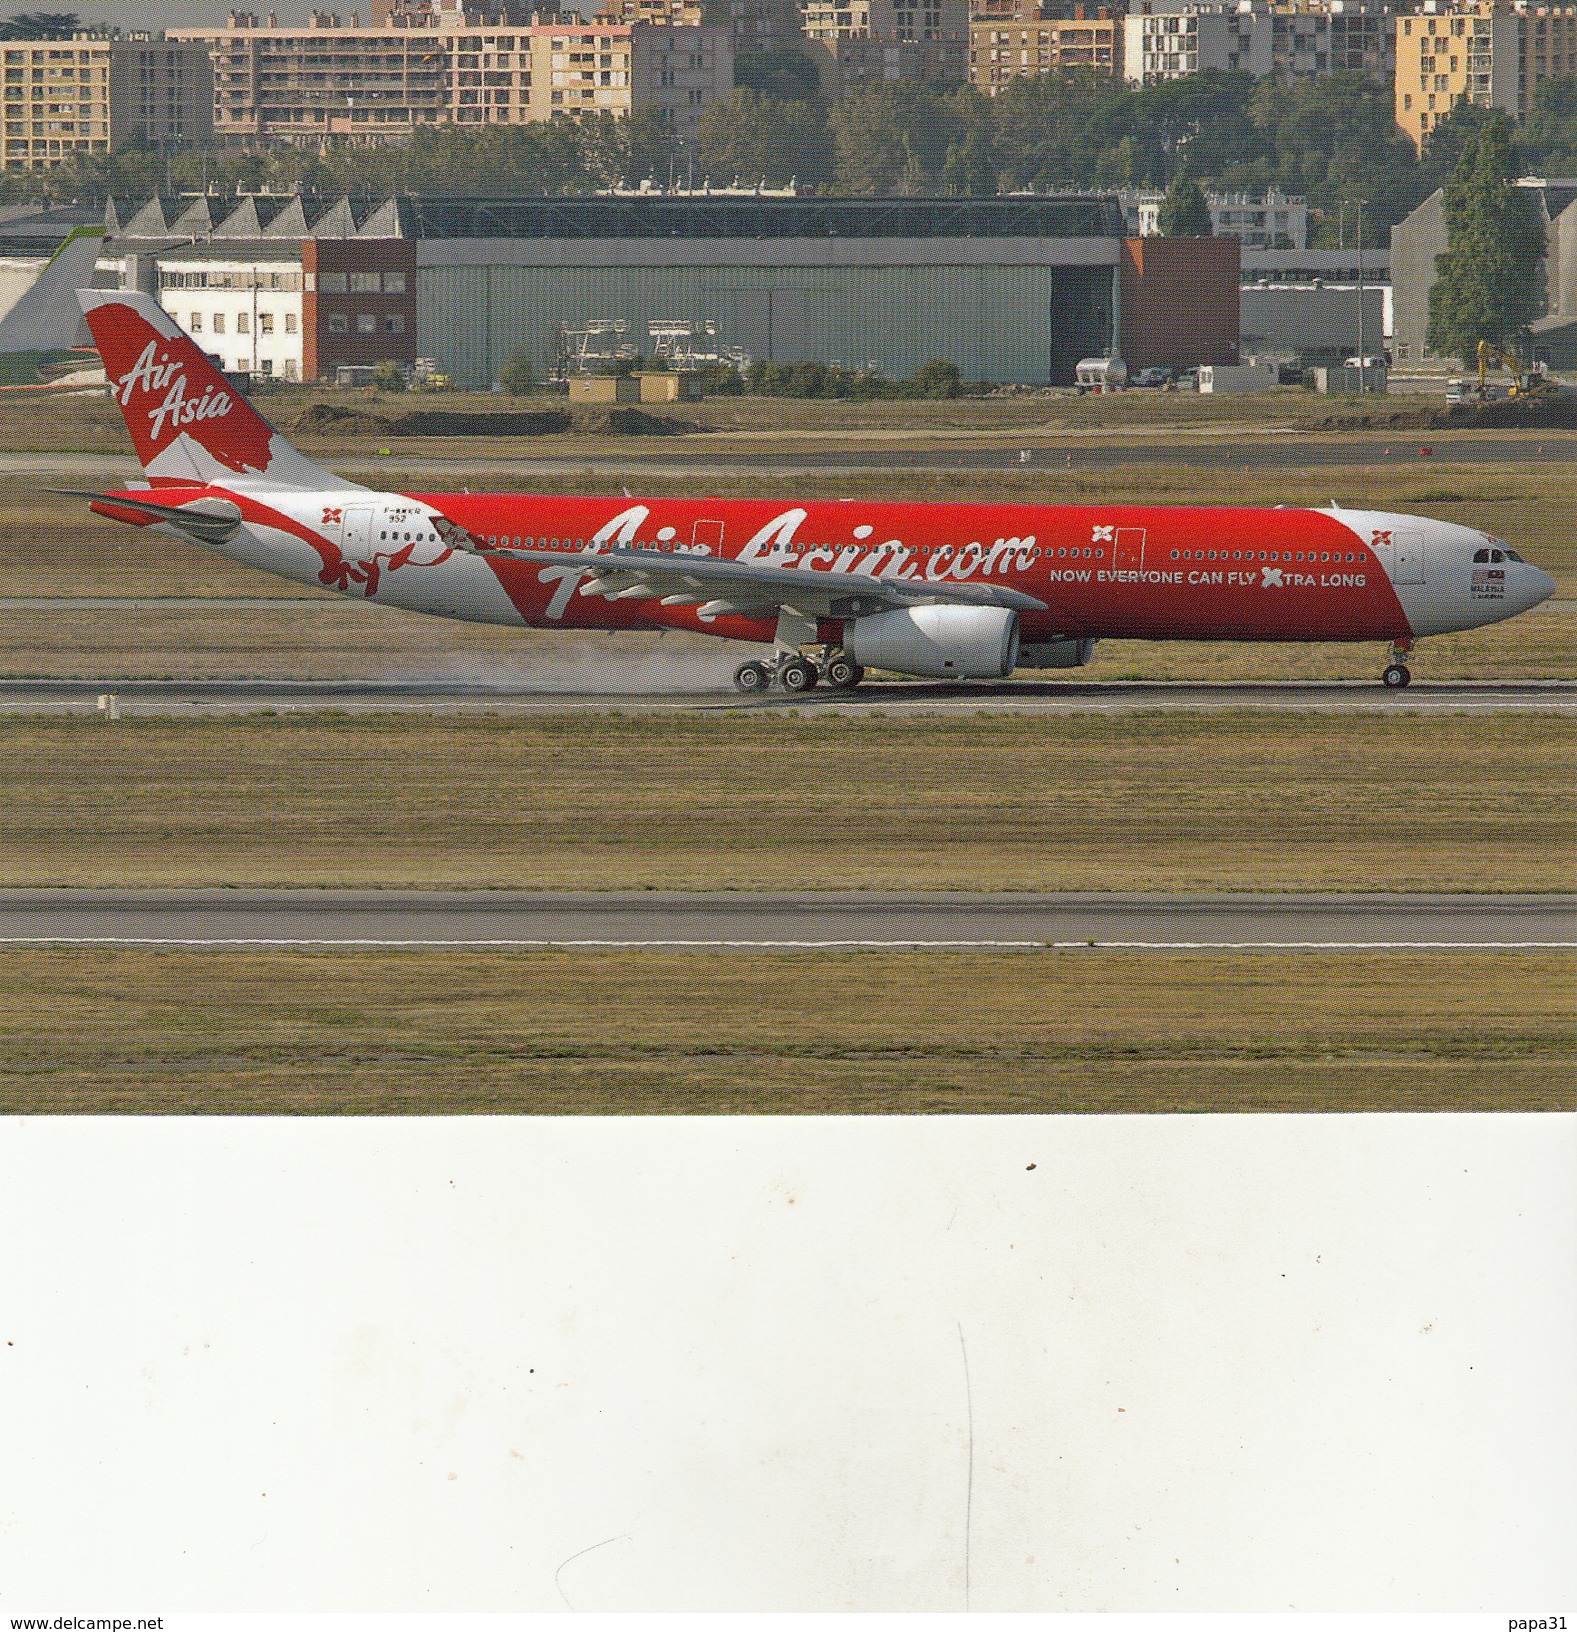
<point x="525" y="944"/>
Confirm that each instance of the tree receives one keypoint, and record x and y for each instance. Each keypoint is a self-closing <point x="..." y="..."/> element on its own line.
<point x="40" y="25"/>
<point x="757" y="138"/>
<point x="938" y="378"/>
<point x="1486" y="282"/>
<point x="895" y="138"/>
<point x="1549" y="139"/>
<point x="518" y="375"/>
<point x="783" y="72"/>
<point x="1184" y="212"/>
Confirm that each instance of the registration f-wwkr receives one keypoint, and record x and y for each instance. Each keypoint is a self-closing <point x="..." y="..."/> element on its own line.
<point x="940" y="591"/>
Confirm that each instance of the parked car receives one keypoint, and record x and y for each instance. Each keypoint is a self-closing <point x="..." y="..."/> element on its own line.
<point x="1151" y="377"/>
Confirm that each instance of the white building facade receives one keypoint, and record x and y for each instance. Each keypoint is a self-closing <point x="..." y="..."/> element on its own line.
<point x="1169" y="39"/>
<point x="1272" y="222"/>
<point x="243" y="307"/>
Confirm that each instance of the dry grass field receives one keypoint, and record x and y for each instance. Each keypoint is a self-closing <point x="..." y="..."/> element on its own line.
<point x="606" y="1032"/>
<point x="784" y="799"/>
<point x="94" y="424"/>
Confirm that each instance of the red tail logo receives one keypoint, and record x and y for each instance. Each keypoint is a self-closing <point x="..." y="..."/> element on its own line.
<point x="168" y="389"/>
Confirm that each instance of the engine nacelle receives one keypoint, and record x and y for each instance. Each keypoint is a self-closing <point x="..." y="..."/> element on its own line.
<point x="1056" y="654"/>
<point x="937" y="642"/>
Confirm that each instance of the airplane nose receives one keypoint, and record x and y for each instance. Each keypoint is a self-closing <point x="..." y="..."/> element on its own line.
<point x="1540" y="586"/>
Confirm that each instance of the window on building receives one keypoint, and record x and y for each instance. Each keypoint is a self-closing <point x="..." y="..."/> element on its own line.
<point x="338" y="323"/>
<point x="364" y="283"/>
<point x="242" y="320"/>
<point x="394" y="323"/>
<point x="195" y="323"/>
<point x="290" y="322"/>
<point x="331" y="283"/>
<point x="366" y="322"/>
<point x="265" y="322"/>
<point x="219" y="322"/>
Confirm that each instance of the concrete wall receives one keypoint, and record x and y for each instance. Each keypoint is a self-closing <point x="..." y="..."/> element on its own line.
<point x="1415" y="243"/>
<point x="1304" y="319"/>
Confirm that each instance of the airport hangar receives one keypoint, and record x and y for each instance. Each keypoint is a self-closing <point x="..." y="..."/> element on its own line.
<point x="1014" y="290"/>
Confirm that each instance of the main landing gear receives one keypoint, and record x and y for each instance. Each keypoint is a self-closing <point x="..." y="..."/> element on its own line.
<point x="798" y="672"/>
<point x="1396" y="673"/>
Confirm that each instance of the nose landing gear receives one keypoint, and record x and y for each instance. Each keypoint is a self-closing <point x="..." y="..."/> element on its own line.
<point x="1396" y="673"/>
<point x="796" y="672"/>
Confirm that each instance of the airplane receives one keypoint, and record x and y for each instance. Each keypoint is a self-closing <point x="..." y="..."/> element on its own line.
<point x="935" y="591"/>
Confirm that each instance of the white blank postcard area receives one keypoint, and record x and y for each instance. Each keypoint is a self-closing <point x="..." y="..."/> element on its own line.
<point x="1148" y="1363"/>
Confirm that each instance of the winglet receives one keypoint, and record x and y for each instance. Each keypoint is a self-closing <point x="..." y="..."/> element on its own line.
<point x="187" y="421"/>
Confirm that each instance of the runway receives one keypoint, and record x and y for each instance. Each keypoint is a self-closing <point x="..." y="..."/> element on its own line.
<point x="786" y="922"/>
<point x="191" y="699"/>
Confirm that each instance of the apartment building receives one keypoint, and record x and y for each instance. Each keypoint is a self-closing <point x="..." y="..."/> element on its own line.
<point x="1002" y="50"/>
<point x="753" y="25"/>
<point x="431" y="65"/>
<point x="874" y="41"/>
<point x="1493" y="55"/>
<point x="1168" y="39"/>
<point x="93" y="93"/>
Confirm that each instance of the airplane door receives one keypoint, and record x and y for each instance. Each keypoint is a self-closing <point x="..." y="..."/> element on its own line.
<point x="356" y="539"/>
<point x="706" y="537"/>
<point x="1129" y="549"/>
<point x="1409" y="559"/>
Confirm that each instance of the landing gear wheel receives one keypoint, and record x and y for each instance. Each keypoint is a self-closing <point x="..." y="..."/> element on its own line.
<point x="752" y="678"/>
<point x="795" y="674"/>
<point x="1396" y="676"/>
<point x="843" y="673"/>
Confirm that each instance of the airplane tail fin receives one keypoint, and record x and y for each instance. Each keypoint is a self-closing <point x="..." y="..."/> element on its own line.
<point x="187" y="422"/>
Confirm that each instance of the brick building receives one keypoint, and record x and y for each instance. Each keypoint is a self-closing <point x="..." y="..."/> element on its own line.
<point x="1179" y="302"/>
<point x="358" y="303"/>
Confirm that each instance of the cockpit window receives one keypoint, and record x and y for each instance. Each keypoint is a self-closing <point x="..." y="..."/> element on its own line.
<point x="1511" y="555"/>
<point x="1492" y="556"/>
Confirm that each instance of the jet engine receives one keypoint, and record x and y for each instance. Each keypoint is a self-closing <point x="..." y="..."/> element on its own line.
<point x="937" y="642"/>
<point x="1056" y="654"/>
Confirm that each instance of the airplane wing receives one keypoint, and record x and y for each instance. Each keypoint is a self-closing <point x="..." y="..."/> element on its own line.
<point x="748" y="588"/>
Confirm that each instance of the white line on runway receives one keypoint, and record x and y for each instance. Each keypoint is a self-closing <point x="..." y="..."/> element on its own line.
<point x="803" y="946"/>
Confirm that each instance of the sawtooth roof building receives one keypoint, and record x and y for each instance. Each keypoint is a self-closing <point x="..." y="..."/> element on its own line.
<point x="1012" y="290"/>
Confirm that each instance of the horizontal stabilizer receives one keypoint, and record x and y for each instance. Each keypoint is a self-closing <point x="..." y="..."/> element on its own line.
<point x="209" y="521"/>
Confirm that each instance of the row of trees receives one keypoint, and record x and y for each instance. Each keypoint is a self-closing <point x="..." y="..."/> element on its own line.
<point x="1331" y="139"/>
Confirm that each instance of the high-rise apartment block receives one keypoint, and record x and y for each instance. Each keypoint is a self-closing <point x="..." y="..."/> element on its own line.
<point x="1168" y="39"/>
<point x="876" y="41"/>
<point x="432" y="65"/>
<point x="93" y="93"/>
<point x="1002" y="50"/>
<point x="1492" y="55"/>
<point x="753" y="25"/>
